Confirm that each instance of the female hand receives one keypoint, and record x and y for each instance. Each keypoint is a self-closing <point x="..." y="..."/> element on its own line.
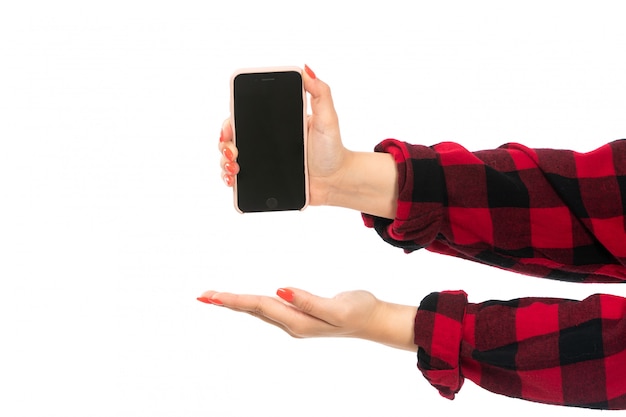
<point x="362" y="181"/>
<point x="355" y="314"/>
<point x="326" y="155"/>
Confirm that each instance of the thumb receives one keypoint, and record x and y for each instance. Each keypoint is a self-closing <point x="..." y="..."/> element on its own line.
<point x="313" y="305"/>
<point x="321" y="99"/>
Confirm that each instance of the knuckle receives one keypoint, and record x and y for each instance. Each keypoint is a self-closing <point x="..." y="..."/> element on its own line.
<point x="306" y="305"/>
<point x="259" y="309"/>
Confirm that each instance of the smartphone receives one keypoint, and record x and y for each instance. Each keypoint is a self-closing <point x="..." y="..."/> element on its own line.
<point x="268" y="110"/>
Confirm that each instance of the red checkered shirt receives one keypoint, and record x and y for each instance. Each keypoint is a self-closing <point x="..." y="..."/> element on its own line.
<point x="555" y="214"/>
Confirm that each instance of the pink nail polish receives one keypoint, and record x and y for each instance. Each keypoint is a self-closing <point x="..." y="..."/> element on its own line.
<point x="228" y="180"/>
<point x="222" y="136"/>
<point x="228" y="154"/>
<point x="285" y="294"/>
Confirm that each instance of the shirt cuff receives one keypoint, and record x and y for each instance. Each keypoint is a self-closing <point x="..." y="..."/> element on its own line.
<point x="438" y="334"/>
<point x="421" y="193"/>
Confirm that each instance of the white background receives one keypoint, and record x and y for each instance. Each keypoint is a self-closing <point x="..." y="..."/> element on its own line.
<point x="114" y="217"/>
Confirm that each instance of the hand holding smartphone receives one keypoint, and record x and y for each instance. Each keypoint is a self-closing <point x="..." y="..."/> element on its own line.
<point x="268" y="110"/>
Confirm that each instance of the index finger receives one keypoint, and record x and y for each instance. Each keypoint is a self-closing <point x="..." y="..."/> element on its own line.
<point x="226" y="134"/>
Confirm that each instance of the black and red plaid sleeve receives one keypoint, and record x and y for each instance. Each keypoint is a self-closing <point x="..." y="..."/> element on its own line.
<point x="551" y="213"/>
<point x="546" y="350"/>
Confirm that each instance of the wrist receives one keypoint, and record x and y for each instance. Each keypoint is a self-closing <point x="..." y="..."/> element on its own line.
<point x="367" y="182"/>
<point x="393" y="325"/>
<point x="326" y="190"/>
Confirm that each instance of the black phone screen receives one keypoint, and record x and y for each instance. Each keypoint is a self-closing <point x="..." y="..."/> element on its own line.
<point x="269" y="134"/>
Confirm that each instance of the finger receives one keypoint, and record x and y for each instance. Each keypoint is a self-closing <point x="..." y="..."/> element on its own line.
<point x="261" y="306"/>
<point x="230" y="167"/>
<point x="229" y="151"/>
<point x="210" y="297"/>
<point x="273" y="311"/>
<point x="325" y="309"/>
<point x="229" y="171"/>
<point x="226" y="134"/>
<point x="258" y="305"/>
<point x="229" y="180"/>
<point x="321" y="99"/>
<point x="229" y="154"/>
<point x="226" y="145"/>
<point x="281" y="326"/>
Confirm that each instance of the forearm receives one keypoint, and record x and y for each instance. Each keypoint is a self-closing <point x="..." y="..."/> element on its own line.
<point x="392" y="325"/>
<point x="368" y="183"/>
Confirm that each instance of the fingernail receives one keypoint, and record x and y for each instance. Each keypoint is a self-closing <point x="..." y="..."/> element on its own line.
<point x="230" y="167"/>
<point x="222" y="135"/>
<point x="228" y="180"/>
<point x="285" y="294"/>
<point x="309" y="71"/>
<point x="207" y="300"/>
<point x="228" y="154"/>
